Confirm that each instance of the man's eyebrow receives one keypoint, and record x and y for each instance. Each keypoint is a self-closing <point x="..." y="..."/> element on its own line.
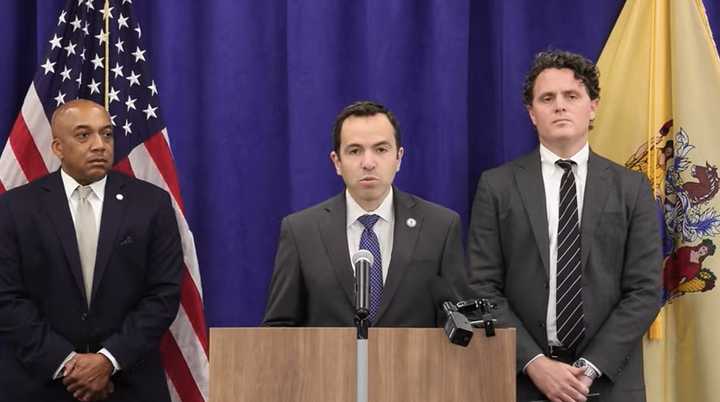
<point x="86" y="126"/>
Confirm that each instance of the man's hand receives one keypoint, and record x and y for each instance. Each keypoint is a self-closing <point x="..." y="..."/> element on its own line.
<point x="585" y="380"/>
<point x="559" y="382"/>
<point x="87" y="377"/>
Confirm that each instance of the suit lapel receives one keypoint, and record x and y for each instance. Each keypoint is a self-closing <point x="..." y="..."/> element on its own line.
<point x="594" y="200"/>
<point x="57" y="207"/>
<point x="528" y="175"/>
<point x="112" y="215"/>
<point x="404" y="239"/>
<point x="333" y="229"/>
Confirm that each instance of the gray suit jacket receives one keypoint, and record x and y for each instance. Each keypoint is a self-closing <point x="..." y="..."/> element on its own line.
<point x="621" y="258"/>
<point x="313" y="281"/>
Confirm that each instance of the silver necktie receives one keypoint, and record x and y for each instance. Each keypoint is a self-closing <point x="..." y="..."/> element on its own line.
<point x="87" y="237"/>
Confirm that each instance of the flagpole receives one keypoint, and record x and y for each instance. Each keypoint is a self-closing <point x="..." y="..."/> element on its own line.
<point x="106" y="17"/>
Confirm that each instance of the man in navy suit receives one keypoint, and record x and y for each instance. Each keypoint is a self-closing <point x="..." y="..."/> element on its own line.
<point x="90" y="264"/>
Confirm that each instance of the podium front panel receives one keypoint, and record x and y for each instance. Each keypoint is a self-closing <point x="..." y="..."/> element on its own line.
<point x="282" y="364"/>
<point x="319" y="364"/>
<point x="421" y="365"/>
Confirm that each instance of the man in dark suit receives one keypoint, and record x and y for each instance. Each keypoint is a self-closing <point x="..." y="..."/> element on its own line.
<point x="89" y="274"/>
<point x="415" y="243"/>
<point x="567" y="243"/>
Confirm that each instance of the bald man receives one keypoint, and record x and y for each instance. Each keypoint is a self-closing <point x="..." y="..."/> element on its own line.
<point x="90" y="264"/>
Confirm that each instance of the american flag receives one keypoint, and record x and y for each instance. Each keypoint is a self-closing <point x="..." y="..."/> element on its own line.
<point x="75" y="66"/>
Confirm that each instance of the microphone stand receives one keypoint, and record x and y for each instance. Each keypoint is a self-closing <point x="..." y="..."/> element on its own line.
<point x="361" y="324"/>
<point x="362" y="261"/>
<point x="486" y="320"/>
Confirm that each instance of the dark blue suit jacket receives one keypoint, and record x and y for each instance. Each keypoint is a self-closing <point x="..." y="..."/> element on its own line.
<point x="43" y="312"/>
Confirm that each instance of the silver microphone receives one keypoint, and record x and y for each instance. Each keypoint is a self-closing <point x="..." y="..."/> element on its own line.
<point x="362" y="261"/>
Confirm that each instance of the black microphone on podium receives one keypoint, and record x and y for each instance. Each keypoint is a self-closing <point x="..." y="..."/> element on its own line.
<point x="457" y="327"/>
<point x="362" y="260"/>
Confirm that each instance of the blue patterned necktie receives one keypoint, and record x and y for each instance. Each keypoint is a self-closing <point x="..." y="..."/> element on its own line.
<point x="568" y="297"/>
<point x="369" y="242"/>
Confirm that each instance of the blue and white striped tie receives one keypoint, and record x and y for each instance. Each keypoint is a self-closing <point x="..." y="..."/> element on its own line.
<point x="369" y="242"/>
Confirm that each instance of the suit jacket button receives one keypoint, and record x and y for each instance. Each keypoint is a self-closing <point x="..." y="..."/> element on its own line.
<point x="83" y="316"/>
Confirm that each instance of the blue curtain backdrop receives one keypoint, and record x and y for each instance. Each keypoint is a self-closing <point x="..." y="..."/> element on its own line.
<point x="249" y="90"/>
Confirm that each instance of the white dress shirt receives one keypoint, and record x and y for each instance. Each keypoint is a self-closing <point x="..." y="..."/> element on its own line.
<point x="96" y="197"/>
<point x="383" y="228"/>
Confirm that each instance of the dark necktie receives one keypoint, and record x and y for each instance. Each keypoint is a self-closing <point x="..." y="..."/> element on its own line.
<point x="369" y="242"/>
<point x="569" y="303"/>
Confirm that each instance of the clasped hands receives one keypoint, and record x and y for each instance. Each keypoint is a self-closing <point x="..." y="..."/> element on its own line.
<point x="87" y="377"/>
<point x="558" y="381"/>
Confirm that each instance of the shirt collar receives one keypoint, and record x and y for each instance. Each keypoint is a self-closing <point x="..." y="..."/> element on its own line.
<point x="384" y="211"/>
<point x="70" y="184"/>
<point x="548" y="158"/>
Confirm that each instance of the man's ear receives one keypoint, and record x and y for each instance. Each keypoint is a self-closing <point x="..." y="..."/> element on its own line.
<point x="56" y="148"/>
<point x="335" y="158"/>
<point x="593" y="108"/>
<point x="531" y="113"/>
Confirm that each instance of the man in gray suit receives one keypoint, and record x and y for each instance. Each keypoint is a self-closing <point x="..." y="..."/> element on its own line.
<point x="415" y="243"/>
<point x="567" y="243"/>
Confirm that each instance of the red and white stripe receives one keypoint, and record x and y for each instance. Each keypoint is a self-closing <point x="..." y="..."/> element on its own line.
<point x="27" y="155"/>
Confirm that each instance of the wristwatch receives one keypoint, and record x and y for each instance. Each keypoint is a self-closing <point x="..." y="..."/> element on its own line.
<point x="590" y="372"/>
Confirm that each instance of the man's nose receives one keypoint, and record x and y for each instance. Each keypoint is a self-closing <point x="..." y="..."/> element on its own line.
<point x="97" y="142"/>
<point x="368" y="161"/>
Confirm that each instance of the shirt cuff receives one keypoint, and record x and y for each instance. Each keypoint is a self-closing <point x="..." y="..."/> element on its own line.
<point x="106" y="353"/>
<point x="531" y="360"/>
<point x="59" y="372"/>
<point x="594" y="367"/>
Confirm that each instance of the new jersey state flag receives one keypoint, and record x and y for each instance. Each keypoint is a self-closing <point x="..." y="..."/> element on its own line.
<point x="660" y="114"/>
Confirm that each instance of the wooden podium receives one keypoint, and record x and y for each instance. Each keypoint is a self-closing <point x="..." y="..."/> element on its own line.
<point x="318" y="364"/>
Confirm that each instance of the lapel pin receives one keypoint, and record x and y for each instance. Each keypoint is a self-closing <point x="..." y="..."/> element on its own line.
<point x="119" y="197"/>
<point x="410" y="222"/>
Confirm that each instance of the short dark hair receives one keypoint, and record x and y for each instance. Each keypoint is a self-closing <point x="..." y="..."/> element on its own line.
<point x="584" y="69"/>
<point x="361" y="109"/>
